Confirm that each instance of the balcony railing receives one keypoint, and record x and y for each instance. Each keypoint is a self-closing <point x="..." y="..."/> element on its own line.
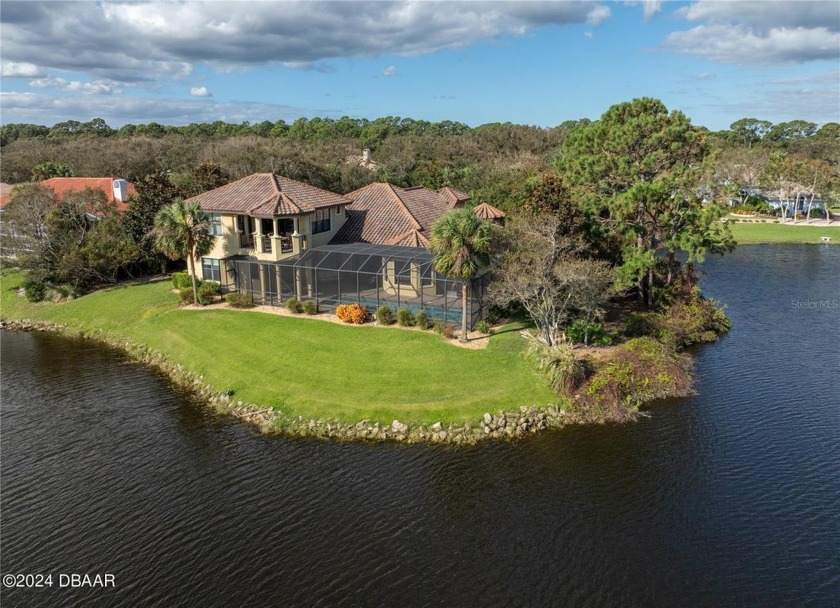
<point x="266" y="243"/>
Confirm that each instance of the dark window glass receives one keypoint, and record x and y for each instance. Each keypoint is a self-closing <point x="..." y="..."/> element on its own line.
<point x="215" y="224"/>
<point x="322" y="221"/>
<point x="210" y="270"/>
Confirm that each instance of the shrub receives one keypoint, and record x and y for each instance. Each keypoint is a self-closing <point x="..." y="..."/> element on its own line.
<point x="444" y="330"/>
<point x="181" y="280"/>
<point x="34" y="289"/>
<point x="639" y="371"/>
<point x="239" y="300"/>
<point x="310" y="307"/>
<point x="186" y="296"/>
<point x="384" y="315"/>
<point x="688" y="318"/>
<point x="404" y="317"/>
<point x="483" y="326"/>
<point x="60" y="293"/>
<point x="352" y="313"/>
<point x="583" y="332"/>
<point x="558" y="365"/>
<point x="294" y="305"/>
<point x="207" y="292"/>
<point x="421" y="320"/>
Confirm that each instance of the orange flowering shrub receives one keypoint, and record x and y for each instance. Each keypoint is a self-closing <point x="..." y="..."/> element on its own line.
<point x="352" y="313"/>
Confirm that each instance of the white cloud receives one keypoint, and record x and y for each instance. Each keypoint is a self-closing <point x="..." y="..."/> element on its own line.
<point x="39" y="108"/>
<point x="760" y="32"/>
<point x="737" y="44"/>
<point x="389" y="71"/>
<point x="167" y="39"/>
<point x="20" y="69"/>
<point x="762" y="15"/>
<point x="598" y="15"/>
<point x="782" y="104"/>
<point x="832" y="77"/>
<point x="200" y="92"/>
<point x="650" y="8"/>
<point x="97" y="87"/>
<point x="588" y="34"/>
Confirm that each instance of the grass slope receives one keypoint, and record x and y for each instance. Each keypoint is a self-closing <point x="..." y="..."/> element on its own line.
<point x="305" y="367"/>
<point x="746" y="233"/>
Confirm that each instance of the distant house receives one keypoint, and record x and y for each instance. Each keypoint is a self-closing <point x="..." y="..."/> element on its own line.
<point x="792" y="200"/>
<point x="117" y="190"/>
<point x="277" y="239"/>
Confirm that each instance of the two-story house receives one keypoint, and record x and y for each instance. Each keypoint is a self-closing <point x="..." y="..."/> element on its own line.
<point x="278" y="239"/>
<point x="267" y="218"/>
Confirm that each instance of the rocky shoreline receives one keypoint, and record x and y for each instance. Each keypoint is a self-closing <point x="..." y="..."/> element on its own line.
<point x="501" y="425"/>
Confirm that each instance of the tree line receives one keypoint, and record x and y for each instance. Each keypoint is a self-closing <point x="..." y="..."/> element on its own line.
<point x="630" y="186"/>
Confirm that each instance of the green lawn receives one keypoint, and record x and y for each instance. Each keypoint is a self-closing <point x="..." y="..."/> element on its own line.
<point x="303" y="366"/>
<point x="745" y="233"/>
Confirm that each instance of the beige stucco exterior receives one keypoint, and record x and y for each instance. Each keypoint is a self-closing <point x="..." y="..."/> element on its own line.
<point x="392" y="287"/>
<point x="272" y="247"/>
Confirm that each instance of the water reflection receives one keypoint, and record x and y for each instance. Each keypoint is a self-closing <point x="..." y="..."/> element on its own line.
<point x="726" y="498"/>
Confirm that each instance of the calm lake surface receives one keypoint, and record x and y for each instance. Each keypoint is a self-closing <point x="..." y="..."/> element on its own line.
<point x="731" y="498"/>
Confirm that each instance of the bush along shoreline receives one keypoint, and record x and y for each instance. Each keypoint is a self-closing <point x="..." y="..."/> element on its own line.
<point x="612" y="384"/>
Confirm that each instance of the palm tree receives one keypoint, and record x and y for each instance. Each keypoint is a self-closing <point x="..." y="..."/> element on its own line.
<point x="461" y="244"/>
<point x="182" y="230"/>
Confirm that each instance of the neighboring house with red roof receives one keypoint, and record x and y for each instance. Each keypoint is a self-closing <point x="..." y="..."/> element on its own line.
<point x="5" y="193"/>
<point x="117" y="190"/>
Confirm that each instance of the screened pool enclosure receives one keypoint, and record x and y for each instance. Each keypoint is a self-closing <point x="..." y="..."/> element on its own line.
<point x="370" y="275"/>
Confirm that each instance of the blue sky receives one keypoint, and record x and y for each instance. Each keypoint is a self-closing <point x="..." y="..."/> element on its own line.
<point x="476" y="62"/>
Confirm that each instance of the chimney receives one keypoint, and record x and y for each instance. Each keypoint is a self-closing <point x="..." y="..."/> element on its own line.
<point x="366" y="155"/>
<point x="120" y="190"/>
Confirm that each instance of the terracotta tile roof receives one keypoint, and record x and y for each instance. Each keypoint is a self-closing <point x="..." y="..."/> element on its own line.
<point x="455" y="197"/>
<point x="5" y="192"/>
<point x="65" y="185"/>
<point x="412" y="238"/>
<point x="488" y="212"/>
<point x="267" y="195"/>
<point x="389" y="215"/>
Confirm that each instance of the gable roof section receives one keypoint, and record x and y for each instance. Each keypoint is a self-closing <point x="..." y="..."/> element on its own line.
<point x="455" y="197"/>
<point x="385" y="214"/>
<point x="267" y="195"/>
<point x="412" y="238"/>
<point x="63" y="186"/>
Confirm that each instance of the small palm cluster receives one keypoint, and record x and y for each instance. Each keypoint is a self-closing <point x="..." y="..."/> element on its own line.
<point x="182" y="231"/>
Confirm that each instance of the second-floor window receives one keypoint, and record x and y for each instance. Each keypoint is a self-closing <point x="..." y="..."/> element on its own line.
<point x="321" y="223"/>
<point x="215" y="224"/>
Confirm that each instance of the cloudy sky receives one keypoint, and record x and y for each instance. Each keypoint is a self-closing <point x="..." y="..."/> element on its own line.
<point x="525" y="62"/>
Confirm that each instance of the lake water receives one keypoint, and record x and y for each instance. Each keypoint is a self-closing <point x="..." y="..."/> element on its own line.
<point x="730" y="498"/>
